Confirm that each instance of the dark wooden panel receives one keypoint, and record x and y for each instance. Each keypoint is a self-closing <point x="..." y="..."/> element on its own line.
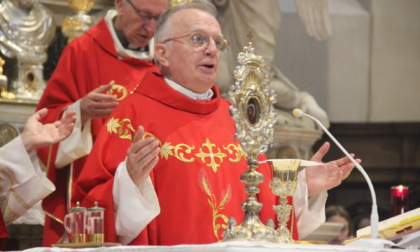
<point x="390" y="154"/>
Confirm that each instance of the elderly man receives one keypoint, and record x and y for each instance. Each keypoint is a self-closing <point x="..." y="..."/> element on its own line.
<point x="169" y="149"/>
<point x="95" y="72"/>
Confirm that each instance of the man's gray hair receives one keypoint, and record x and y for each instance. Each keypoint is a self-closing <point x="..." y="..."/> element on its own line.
<point x="202" y="5"/>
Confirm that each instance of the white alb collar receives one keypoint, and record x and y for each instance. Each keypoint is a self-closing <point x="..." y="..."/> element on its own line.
<point x="121" y="51"/>
<point x="206" y="96"/>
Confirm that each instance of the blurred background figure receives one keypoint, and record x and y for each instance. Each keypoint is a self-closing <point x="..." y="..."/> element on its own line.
<point x="338" y="214"/>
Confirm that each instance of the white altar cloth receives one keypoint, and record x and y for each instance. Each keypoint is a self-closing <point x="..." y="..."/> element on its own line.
<point x="226" y="247"/>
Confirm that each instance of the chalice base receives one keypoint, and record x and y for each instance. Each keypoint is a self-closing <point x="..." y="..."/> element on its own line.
<point x="251" y="229"/>
<point x="284" y="235"/>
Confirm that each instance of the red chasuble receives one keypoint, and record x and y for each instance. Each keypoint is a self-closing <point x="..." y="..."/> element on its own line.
<point x="3" y="231"/>
<point x="197" y="178"/>
<point x="86" y="63"/>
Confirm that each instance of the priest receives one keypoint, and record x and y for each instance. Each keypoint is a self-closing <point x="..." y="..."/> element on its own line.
<point x="166" y="166"/>
<point x="95" y="72"/>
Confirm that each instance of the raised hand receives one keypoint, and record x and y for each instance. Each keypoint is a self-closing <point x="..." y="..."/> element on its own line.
<point x="329" y="175"/>
<point x="142" y="156"/>
<point x="97" y="103"/>
<point x="37" y="135"/>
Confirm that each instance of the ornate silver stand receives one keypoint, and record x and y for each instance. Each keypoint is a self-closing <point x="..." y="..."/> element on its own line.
<point x="254" y="120"/>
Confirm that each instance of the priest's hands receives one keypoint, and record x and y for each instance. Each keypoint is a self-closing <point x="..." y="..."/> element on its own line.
<point x="324" y="177"/>
<point x="142" y="156"/>
<point x="37" y="135"/>
<point x="97" y="103"/>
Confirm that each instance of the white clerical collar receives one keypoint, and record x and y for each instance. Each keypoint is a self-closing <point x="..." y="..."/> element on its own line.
<point x="121" y="51"/>
<point x="206" y="96"/>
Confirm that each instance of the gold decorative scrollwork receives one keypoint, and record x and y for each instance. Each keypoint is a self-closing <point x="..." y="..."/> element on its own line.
<point x="121" y="127"/>
<point x="237" y="150"/>
<point x="120" y="92"/>
<point x="208" y="154"/>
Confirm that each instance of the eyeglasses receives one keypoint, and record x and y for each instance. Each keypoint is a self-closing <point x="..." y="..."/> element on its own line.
<point x="200" y="41"/>
<point x="144" y="15"/>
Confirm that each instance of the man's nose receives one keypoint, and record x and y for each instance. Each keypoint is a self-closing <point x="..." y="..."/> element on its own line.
<point x="150" y="25"/>
<point x="211" y="48"/>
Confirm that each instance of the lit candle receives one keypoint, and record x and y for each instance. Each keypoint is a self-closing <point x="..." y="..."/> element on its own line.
<point x="399" y="199"/>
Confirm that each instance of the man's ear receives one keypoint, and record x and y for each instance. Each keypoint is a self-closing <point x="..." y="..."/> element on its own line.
<point x="161" y="54"/>
<point x="118" y="6"/>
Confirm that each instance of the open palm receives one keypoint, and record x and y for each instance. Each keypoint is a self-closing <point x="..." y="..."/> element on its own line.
<point x="329" y="175"/>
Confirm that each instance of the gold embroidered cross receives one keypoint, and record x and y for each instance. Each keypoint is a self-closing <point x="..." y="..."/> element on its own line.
<point x="210" y="154"/>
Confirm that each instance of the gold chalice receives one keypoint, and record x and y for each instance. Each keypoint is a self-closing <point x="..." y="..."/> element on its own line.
<point x="283" y="184"/>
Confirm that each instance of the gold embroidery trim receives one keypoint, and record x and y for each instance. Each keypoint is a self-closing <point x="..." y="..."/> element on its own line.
<point x="209" y="154"/>
<point x="120" y="127"/>
<point x="120" y="92"/>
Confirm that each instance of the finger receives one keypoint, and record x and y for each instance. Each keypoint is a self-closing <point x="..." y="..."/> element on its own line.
<point x="139" y="134"/>
<point x="138" y="159"/>
<point x="70" y="116"/>
<point x="100" y="97"/>
<point x="41" y="114"/>
<point x="67" y="123"/>
<point x="144" y="146"/>
<point x="149" y="157"/>
<point x="349" y="167"/>
<point x="344" y="160"/>
<point x="140" y="174"/>
<point x="103" y="104"/>
<point x="319" y="155"/>
<point x="148" y="168"/>
<point x="103" y="88"/>
<point x="96" y="106"/>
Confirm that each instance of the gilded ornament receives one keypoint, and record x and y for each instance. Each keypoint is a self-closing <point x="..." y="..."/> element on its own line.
<point x="76" y="25"/>
<point x="252" y="111"/>
<point x="3" y="83"/>
<point x="172" y="3"/>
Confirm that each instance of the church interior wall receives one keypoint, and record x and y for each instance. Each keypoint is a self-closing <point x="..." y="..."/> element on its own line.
<point x="367" y="71"/>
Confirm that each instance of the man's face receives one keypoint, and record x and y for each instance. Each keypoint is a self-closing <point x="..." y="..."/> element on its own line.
<point x="192" y="67"/>
<point x="138" y="19"/>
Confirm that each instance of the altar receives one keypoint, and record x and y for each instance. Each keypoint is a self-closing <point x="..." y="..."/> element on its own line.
<point x="226" y="247"/>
